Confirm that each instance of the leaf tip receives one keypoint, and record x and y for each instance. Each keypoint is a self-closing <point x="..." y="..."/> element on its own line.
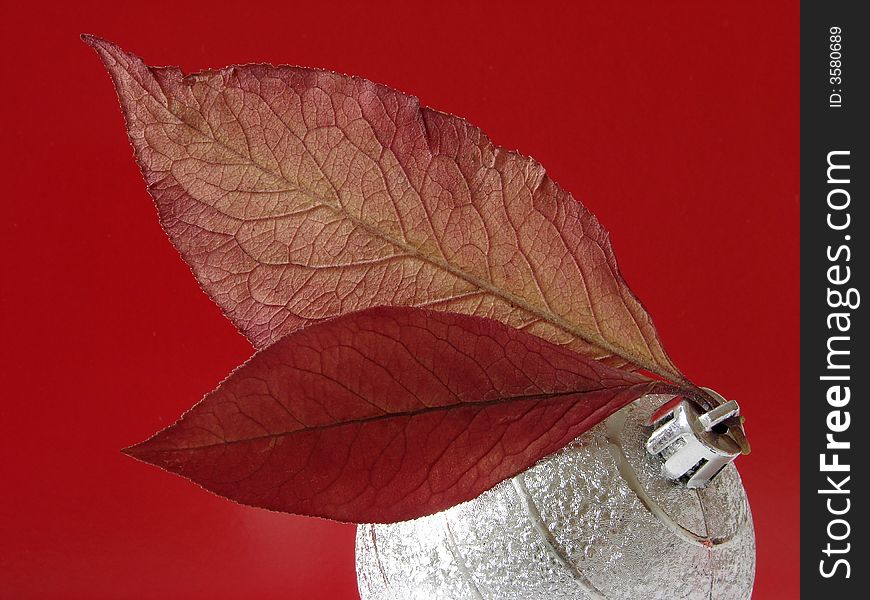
<point x="142" y="451"/>
<point x="134" y="451"/>
<point x="108" y="51"/>
<point x="93" y="41"/>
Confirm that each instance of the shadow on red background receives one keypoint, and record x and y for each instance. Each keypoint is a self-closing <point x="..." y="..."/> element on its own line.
<point x="678" y="128"/>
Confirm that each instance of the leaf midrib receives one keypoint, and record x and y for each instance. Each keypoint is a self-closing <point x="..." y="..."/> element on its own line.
<point x="490" y="288"/>
<point x="652" y="387"/>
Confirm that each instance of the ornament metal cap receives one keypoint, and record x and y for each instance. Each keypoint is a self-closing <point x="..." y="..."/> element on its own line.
<point x="695" y="445"/>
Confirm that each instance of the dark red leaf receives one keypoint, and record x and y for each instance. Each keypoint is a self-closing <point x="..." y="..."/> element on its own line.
<point x="389" y="414"/>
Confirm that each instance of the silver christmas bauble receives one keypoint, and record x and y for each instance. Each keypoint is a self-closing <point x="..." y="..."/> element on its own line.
<point x="596" y="520"/>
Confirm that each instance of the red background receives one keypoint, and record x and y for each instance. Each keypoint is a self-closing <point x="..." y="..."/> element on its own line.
<point x="677" y="126"/>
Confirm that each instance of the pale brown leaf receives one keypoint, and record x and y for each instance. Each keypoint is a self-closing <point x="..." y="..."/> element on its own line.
<point x="298" y="194"/>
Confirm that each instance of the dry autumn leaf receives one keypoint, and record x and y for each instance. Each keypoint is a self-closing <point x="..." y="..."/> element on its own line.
<point x="389" y="414"/>
<point x="299" y="194"/>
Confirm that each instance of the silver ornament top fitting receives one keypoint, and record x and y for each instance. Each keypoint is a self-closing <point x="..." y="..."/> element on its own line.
<point x="694" y="445"/>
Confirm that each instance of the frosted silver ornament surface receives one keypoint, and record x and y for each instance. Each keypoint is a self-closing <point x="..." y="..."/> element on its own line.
<point x="593" y="521"/>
